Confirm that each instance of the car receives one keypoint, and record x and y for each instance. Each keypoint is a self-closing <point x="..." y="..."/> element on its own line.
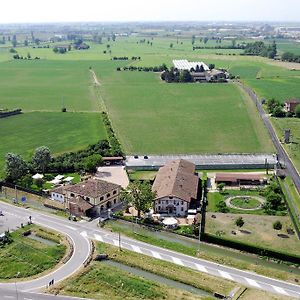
<point x="136" y="156"/>
<point x="145" y="156"/>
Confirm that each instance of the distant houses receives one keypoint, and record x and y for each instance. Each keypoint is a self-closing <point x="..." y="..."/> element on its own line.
<point x="185" y="71"/>
<point x="176" y="187"/>
<point x="290" y="105"/>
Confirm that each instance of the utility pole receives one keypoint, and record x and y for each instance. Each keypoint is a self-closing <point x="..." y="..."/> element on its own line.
<point x="16" y="285"/>
<point x="120" y="241"/>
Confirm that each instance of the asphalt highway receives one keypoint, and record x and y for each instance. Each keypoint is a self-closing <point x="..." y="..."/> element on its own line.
<point x="81" y="232"/>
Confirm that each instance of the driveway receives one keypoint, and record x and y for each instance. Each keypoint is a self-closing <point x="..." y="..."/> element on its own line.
<point x="116" y="174"/>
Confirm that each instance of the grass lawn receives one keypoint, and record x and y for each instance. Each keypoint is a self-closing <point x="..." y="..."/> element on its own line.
<point x="261" y="228"/>
<point x="246" y="204"/>
<point x="59" y="131"/>
<point x="114" y="283"/>
<point x="215" y="197"/>
<point x="30" y="257"/>
<point x="154" y="117"/>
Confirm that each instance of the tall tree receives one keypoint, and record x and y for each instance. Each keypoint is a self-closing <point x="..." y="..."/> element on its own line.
<point x="139" y="195"/>
<point x="41" y="158"/>
<point x="15" y="166"/>
<point x="14" y="41"/>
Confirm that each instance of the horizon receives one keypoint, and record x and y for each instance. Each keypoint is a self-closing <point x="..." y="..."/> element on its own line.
<point x="31" y="12"/>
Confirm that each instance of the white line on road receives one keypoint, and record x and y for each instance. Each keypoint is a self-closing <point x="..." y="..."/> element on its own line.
<point x="136" y="249"/>
<point x="27" y="298"/>
<point x="70" y="227"/>
<point x="98" y="237"/>
<point x="225" y="275"/>
<point x="156" y="254"/>
<point x="201" y="268"/>
<point x="252" y="282"/>
<point x="177" y="261"/>
<point x="280" y="290"/>
<point x="84" y="233"/>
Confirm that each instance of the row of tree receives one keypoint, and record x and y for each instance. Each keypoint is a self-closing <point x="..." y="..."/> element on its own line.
<point x="160" y="68"/>
<point x="83" y="160"/>
<point x="260" y="49"/>
<point x="290" y="57"/>
<point x="126" y="58"/>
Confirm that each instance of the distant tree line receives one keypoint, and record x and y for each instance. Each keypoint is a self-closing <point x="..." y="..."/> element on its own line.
<point x="290" y="57"/>
<point x="126" y="58"/>
<point x="260" y="49"/>
<point x="160" y="68"/>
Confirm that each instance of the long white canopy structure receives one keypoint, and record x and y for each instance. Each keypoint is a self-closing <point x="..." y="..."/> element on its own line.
<point x="184" y="64"/>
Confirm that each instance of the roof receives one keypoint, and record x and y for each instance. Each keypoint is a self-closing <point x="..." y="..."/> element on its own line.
<point x="80" y="202"/>
<point x="234" y="177"/>
<point x="59" y="190"/>
<point x="183" y="64"/>
<point x="92" y="188"/>
<point x="177" y="178"/>
<point x="293" y="101"/>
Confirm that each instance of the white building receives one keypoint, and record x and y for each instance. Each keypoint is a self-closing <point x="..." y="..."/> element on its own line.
<point x="184" y="64"/>
<point x="176" y="187"/>
<point x="58" y="194"/>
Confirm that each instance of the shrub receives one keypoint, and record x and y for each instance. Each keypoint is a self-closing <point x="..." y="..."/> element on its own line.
<point x="222" y="207"/>
<point x="277" y="225"/>
<point x="239" y="222"/>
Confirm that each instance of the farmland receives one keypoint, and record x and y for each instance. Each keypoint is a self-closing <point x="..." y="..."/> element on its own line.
<point x="180" y="118"/>
<point x="60" y="131"/>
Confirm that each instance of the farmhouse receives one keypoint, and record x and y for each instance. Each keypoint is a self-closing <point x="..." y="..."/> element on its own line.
<point x="238" y="179"/>
<point x="290" y="105"/>
<point x="176" y="187"/>
<point x="200" y="72"/>
<point x="88" y="198"/>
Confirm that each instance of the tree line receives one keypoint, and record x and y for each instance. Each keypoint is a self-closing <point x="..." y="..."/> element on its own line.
<point x="261" y="49"/>
<point x="275" y="108"/>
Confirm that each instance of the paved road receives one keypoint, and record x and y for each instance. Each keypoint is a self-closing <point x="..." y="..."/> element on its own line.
<point x="80" y="254"/>
<point x="282" y="155"/>
<point x="10" y="294"/>
<point x="91" y="231"/>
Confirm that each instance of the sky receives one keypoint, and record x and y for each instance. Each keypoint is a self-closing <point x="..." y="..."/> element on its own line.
<point x="34" y="11"/>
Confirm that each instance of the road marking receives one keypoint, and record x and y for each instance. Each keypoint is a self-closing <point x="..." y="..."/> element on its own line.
<point x="280" y="290"/>
<point x="136" y="249"/>
<point x="156" y="254"/>
<point x="177" y="261"/>
<point x="116" y="243"/>
<point x="84" y="233"/>
<point x="27" y="298"/>
<point x="201" y="268"/>
<point x="252" y="282"/>
<point x="70" y="227"/>
<point x="98" y="237"/>
<point x="225" y="275"/>
<point x="9" y="297"/>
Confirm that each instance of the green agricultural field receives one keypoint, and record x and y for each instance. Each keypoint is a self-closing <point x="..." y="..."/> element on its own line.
<point x="151" y="116"/>
<point x="47" y="86"/>
<point x="59" y="131"/>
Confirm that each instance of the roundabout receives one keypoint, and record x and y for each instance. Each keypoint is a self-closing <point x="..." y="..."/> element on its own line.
<point x="246" y="203"/>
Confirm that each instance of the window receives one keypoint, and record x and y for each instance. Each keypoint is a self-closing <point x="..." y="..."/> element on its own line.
<point x="181" y="208"/>
<point x="181" y="202"/>
<point x="167" y="201"/>
<point x="72" y="195"/>
<point x="159" y="202"/>
<point x="115" y="201"/>
<point x="108" y="195"/>
<point x="114" y="192"/>
<point x="170" y="197"/>
<point x="101" y="198"/>
<point x="87" y="199"/>
<point x="158" y="207"/>
<point x="61" y="196"/>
